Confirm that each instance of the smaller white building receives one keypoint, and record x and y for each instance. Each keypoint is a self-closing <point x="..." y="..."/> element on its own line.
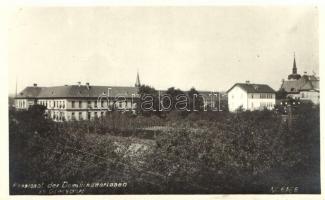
<point x="249" y="96"/>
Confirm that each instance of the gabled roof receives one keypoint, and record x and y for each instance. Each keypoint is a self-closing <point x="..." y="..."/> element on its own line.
<point x="253" y="88"/>
<point x="306" y="82"/>
<point x="76" y="91"/>
<point x="292" y="86"/>
<point x="310" y="85"/>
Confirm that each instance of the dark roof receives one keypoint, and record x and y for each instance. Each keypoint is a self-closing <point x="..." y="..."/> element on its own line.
<point x="306" y="82"/>
<point x="30" y="92"/>
<point x="76" y="91"/>
<point x="254" y="88"/>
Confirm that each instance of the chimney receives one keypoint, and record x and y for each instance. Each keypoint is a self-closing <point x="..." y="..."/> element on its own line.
<point x="35" y="84"/>
<point x="247" y="82"/>
<point x="79" y="83"/>
<point x="305" y="73"/>
<point x="87" y="84"/>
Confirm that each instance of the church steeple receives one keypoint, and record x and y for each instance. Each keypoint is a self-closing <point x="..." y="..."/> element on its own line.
<point x="294" y="75"/>
<point x="137" y="82"/>
<point x="294" y="69"/>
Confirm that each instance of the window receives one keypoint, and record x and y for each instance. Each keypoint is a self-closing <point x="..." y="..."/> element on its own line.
<point x="61" y="116"/>
<point x="54" y="104"/>
<point x="95" y="115"/>
<point x="252" y="96"/>
<point x="80" y="115"/>
<point x="95" y="104"/>
<point x="80" y="104"/>
<point x="72" y="104"/>
<point x="89" y="104"/>
<point x="120" y="104"/>
<point x="101" y="114"/>
<point x="102" y="104"/>
<point x="88" y="115"/>
<point x="63" y="104"/>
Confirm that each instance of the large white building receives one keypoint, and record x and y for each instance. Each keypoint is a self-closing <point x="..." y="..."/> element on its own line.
<point x="249" y="96"/>
<point x="79" y="102"/>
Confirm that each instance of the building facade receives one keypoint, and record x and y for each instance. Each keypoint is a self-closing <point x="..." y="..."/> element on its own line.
<point x="248" y="96"/>
<point x="78" y="102"/>
<point x="305" y="87"/>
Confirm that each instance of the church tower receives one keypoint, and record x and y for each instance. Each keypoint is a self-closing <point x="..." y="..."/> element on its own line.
<point x="137" y="82"/>
<point x="294" y="75"/>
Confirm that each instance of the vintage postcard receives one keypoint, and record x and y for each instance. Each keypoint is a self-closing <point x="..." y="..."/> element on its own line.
<point x="138" y="100"/>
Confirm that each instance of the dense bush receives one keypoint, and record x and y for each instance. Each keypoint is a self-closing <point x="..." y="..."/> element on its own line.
<point x="202" y="152"/>
<point x="248" y="152"/>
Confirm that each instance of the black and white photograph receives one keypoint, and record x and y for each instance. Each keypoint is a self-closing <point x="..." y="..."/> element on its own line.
<point x="164" y="100"/>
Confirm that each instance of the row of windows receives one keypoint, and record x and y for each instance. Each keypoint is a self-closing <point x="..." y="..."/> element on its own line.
<point x="257" y="96"/>
<point x="78" y="104"/>
<point x="57" y="116"/>
<point x="78" y="115"/>
<point x="266" y="104"/>
<point x="52" y="104"/>
<point x="263" y="96"/>
<point x="21" y="104"/>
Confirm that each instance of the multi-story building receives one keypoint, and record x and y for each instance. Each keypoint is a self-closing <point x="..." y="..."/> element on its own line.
<point x="305" y="88"/>
<point x="249" y="96"/>
<point x="77" y="102"/>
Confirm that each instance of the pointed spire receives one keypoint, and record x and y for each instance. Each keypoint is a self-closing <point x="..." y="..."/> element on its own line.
<point x="137" y="82"/>
<point x="294" y="69"/>
<point x="294" y="75"/>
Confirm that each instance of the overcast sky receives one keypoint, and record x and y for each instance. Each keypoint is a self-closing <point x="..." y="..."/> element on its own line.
<point x="210" y="48"/>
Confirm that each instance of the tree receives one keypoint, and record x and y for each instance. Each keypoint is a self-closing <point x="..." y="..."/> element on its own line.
<point x="195" y="101"/>
<point x="149" y="101"/>
<point x="178" y="99"/>
<point x="281" y="94"/>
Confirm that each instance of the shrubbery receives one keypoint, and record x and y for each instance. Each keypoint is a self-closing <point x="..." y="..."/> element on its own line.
<point x="203" y="152"/>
